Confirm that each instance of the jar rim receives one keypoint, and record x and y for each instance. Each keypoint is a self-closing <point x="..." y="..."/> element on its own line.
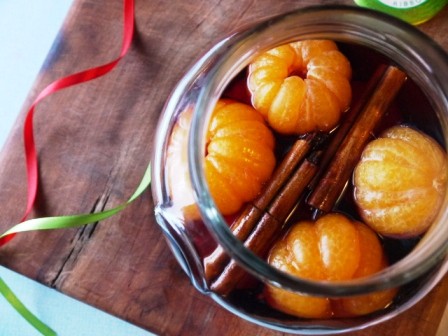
<point x="345" y="24"/>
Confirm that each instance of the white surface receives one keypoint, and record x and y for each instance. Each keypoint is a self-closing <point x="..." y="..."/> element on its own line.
<point x="27" y="31"/>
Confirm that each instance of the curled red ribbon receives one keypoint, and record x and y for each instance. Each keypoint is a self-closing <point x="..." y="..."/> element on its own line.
<point x="71" y="80"/>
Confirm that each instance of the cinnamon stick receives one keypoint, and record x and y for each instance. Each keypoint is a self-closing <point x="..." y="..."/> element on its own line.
<point x="243" y="226"/>
<point x="348" y="154"/>
<point x="267" y="229"/>
<point x="347" y="122"/>
<point x="271" y="219"/>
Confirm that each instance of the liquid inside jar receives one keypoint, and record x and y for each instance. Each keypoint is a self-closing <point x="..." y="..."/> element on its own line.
<point x="410" y="108"/>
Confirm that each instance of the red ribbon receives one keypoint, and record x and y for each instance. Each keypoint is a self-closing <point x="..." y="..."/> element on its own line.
<point x="71" y="80"/>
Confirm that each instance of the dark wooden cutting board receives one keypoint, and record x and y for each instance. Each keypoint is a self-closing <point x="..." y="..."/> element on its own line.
<point x="94" y="143"/>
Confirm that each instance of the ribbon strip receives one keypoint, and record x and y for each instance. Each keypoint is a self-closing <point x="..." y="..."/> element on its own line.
<point x="32" y="170"/>
<point x="77" y="78"/>
<point x="62" y="222"/>
<point x="23" y="311"/>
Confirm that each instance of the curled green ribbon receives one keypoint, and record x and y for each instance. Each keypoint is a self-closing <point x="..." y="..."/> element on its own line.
<point x="23" y="311"/>
<point x="61" y="222"/>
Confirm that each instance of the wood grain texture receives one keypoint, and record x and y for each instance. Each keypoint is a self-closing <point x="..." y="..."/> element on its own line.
<point x="94" y="142"/>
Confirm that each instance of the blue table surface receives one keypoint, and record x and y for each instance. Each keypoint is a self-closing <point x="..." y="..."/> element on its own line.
<point x="27" y="31"/>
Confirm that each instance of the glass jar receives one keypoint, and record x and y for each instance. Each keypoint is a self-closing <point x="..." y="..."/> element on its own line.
<point x="424" y="62"/>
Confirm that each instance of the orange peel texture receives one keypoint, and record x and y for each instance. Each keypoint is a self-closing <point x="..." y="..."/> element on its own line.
<point x="334" y="248"/>
<point x="301" y="87"/>
<point x="400" y="182"/>
<point x="239" y="158"/>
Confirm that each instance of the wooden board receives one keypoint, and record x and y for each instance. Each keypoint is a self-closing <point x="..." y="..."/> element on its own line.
<point x="94" y="143"/>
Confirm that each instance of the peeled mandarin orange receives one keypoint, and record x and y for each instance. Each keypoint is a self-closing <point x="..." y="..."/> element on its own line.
<point x="334" y="248"/>
<point x="400" y="182"/>
<point x="239" y="158"/>
<point x="364" y="304"/>
<point x="301" y="87"/>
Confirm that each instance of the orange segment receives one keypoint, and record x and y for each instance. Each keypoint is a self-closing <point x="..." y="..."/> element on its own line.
<point x="372" y="261"/>
<point x="266" y="94"/>
<point x="266" y="60"/>
<point x="284" y="112"/>
<point x="338" y="85"/>
<point x="281" y="258"/>
<point x="251" y="129"/>
<point x="309" y="49"/>
<point x="245" y="154"/>
<point x="322" y="108"/>
<point x="288" y="55"/>
<point x="228" y="112"/>
<point x="297" y="259"/>
<point x="338" y="246"/>
<point x="297" y="304"/>
<point x="364" y="304"/>
<point x="332" y="60"/>
<point x="260" y="76"/>
<point x="225" y="198"/>
<point x="303" y="244"/>
<point x="371" y="252"/>
<point x="243" y="181"/>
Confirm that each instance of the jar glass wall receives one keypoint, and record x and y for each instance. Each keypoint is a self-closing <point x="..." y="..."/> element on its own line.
<point x="425" y="64"/>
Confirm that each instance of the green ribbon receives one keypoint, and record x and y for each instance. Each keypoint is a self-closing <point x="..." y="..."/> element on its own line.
<point x="62" y="222"/>
<point x="23" y="311"/>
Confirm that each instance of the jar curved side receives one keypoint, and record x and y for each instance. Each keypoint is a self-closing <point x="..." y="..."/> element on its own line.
<point x="346" y="24"/>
